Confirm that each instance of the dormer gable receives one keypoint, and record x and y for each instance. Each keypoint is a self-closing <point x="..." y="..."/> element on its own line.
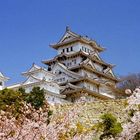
<point x="68" y="35"/>
<point x="110" y="73"/>
<point x="30" y="80"/>
<point x="59" y="68"/>
<point x="37" y="70"/>
<point x="33" y="68"/>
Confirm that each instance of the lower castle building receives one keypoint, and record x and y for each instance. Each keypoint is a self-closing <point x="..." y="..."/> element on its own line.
<point x="77" y="73"/>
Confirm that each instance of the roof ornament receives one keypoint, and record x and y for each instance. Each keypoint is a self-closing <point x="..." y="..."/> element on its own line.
<point x="67" y="28"/>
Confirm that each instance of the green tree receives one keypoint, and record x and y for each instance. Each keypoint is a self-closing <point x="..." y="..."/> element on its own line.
<point x="36" y="97"/>
<point x="11" y="101"/>
<point x="22" y="90"/>
<point x="110" y="126"/>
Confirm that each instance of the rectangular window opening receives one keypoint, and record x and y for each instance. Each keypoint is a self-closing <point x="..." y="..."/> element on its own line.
<point x="67" y="49"/>
<point x="71" y="48"/>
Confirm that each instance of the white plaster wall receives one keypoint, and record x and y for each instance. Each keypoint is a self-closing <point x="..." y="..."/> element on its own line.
<point x="98" y="67"/>
<point x="90" y="86"/>
<point x="90" y="74"/>
<point x="81" y="84"/>
<point x="51" y="87"/>
<point x="104" y="89"/>
<point x="48" y="86"/>
<point x="76" y="47"/>
<point x="71" y="60"/>
<point x="63" y="78"/>
<point x="108" y="80"/>
<point x="81" y="72"/>
<point x="3" y="85"/>
<point x="41" y="75"/>
<point x="30" y="80"/>
<point x="86" y="46"/>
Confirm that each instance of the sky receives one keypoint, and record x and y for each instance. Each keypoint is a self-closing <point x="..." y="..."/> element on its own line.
<point x="28" y="27"/>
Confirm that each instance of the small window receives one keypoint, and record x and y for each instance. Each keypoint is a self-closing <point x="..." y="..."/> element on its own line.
<point x="71" y="48"/>
<point x="67" y="49"/>
<point x="82" y="48"/>
<point x="0" y="83"/>
<point x="69" y="64"/>
<point x="74" y="61"/>
<point x="85" y="49"/>
<point x="59" y="72"/>
<point x="63" y="50"/>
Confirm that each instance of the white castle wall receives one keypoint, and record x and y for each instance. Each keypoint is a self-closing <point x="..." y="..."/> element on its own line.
<point x="52" y="87"/>
<point x="72" y="61"/>
<point x="76" y="47"/>
<point x="41" y="75"/>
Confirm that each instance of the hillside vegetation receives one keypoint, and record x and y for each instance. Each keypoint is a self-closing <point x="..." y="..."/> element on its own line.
<point x="30" y="117"/>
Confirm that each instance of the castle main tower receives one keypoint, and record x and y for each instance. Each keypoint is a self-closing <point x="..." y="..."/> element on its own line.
<point x="79" y="69"/>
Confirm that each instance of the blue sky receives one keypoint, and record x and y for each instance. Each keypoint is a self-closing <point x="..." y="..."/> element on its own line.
<point x="27" y="27"/>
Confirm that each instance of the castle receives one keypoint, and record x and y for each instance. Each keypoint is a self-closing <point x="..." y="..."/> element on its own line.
<point x="76" y="73"/>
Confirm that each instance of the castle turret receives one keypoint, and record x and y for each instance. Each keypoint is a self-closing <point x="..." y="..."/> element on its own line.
<point x="3" y="79"/>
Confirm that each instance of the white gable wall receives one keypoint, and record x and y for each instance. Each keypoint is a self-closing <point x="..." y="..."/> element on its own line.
<point x="76" y="48"/>
<point x="98" y="67"/>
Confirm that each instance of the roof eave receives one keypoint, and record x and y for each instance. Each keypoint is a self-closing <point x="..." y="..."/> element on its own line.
<point x="56" y="46"/>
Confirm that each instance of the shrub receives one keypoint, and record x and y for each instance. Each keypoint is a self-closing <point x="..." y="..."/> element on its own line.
<point x="11" y="101"/>
<point x="110" y="126"/>
<point x="79" y="128"/>
<point x="131" y="112"/>
<point x="50" y="112"/>
<point x="22" y="90"/>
